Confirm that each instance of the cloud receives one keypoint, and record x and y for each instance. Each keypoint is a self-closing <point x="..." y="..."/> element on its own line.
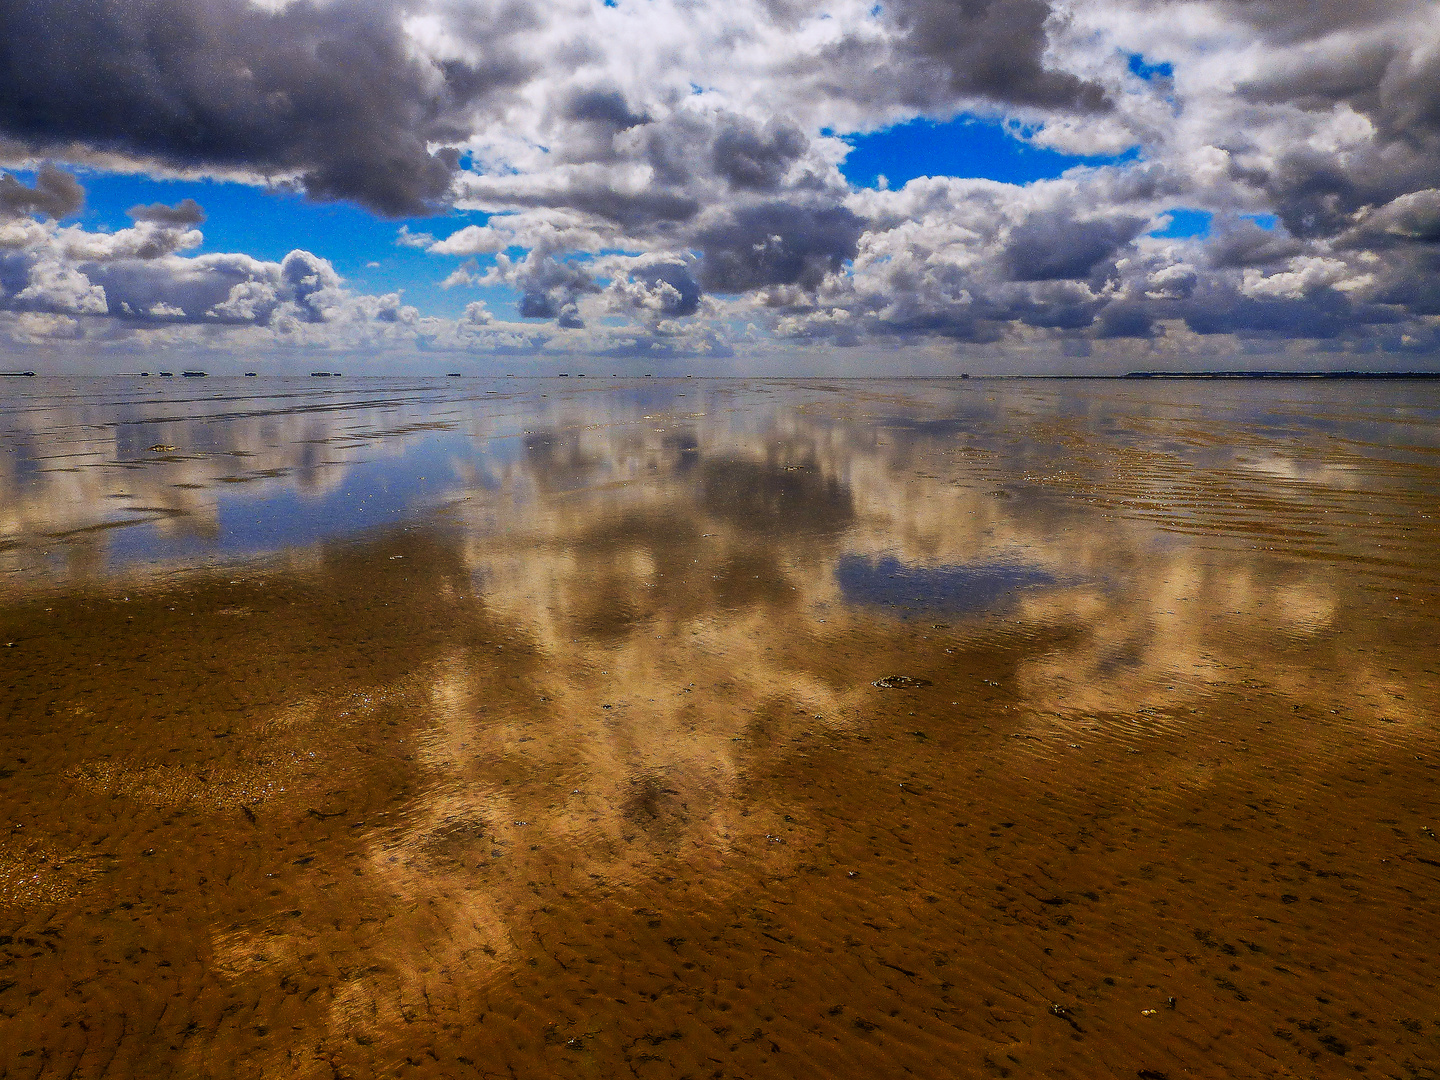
<point x="55" y="287"/>
<point x="145" y="240"/>
<point x="477" y="314"/>
<point x="992" y="49"/>
<point x="185" y="212"/>
<point x="467" y="273"/>
<point x="776" y="244"/>
<point x="549" y="288"/>
<point x="1413" y="217"/>
<point x="652" y="177"/>
<point x="605" y="107"/>
<point x="36" y="328"/>
<point x="1054" y="246"/>
<point x="331" y="93"/>
<point x="1240" y="242"/>
<point x="405" y="238"/>
<point x="755" y="158"/>
<point x="659" y="289"/>
<point x="56" y="194"/>
<point x="543" y="231"/>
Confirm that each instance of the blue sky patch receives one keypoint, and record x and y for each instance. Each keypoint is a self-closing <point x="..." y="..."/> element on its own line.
<point x="1150" y="72"/>
<point x="965" y="146"/>
<point x="1186" y="224"/>
<point x="888" y="583"/>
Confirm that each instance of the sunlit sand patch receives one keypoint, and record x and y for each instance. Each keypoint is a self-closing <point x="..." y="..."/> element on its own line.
<point x="1300" y="472"/>
<point x="208" y="787"/>
<point x="1307" y="608"/>
<point x="34" y="871"/>
<point x="272" y="754"/>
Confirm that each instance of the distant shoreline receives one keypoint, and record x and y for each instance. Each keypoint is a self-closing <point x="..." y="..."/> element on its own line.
<point x="1281" y="375"/>
<point x="1237" y="375"/>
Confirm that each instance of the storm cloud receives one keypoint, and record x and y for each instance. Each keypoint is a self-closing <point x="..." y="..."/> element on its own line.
<point x="328" y="92"/>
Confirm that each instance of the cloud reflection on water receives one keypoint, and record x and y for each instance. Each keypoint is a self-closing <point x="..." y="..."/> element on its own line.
<point x="572" y="657"/>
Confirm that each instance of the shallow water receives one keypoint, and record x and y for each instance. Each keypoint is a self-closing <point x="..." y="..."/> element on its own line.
<point x="530" y="728"/>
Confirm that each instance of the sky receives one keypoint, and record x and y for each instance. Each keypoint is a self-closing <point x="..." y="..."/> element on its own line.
<point x="737" y="187"/>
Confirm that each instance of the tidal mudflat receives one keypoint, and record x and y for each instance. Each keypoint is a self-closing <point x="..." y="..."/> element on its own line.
<point x="699" y="728"/>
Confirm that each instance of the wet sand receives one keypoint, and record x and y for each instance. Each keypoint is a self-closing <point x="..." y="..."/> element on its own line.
<point x="570" y="760"/>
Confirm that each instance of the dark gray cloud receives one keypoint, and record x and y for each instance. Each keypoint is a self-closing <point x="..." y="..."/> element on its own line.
<point x="1285" y="21"/>
<point x="776" y="244"/>
<point x="605" y="107"/>
<point x="1411" y="282"/>
<point x="745" y="155"/>
<point x="1412" y="218"/>
<point x="1056" y="247"/>
<point x="56" y="194"/>
<point x="1323" y="314"/>
<point x="1367" y="64"/>
<point x="1126" y="320"/>
<point x="326" y="89"/>
<point x="1317" y="194"/>
<point x="993" y="49"/>
<point x="1051" y="312"/>
<point x="1239" y="242"/>
<point x="185" y="212"/>
<point x="910" y="317"/>
<point x="550" y="289"/>
<point x="634" y="209"/>
<point x="664" y="287"/>
<point x="752" y="157"/>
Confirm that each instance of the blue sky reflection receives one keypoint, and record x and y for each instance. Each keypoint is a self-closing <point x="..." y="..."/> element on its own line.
<point x="959" y="589"/>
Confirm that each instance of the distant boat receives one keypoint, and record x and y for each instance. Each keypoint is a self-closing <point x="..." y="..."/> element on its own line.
<point x="144" y="374"/>
<point x="564" y="374"/>
<point x="320" y="374"/>
<point x="250" y="374"/>
<point x="194" y="374"/>
<point x="452" y="374"/>
<point x="19" y="374"/>
<point x="168" y="374"/>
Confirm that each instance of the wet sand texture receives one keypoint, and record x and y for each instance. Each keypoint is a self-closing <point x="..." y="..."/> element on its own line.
<point x="733" y="730"/>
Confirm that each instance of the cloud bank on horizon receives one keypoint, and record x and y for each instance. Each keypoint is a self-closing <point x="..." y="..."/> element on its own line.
<point x="666" y="178"/>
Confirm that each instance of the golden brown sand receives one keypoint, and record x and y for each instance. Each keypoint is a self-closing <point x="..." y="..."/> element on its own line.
<point x="584" y="771"/>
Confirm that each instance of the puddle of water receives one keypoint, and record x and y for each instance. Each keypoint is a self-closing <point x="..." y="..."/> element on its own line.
<point x="474" y="729"/>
